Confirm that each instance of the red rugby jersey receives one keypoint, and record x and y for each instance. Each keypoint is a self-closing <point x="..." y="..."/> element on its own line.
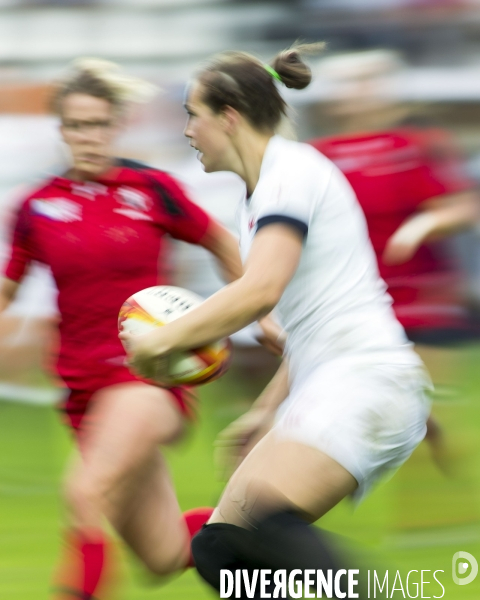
<point x="103" y="241"/>
<point x="393" y="173"/>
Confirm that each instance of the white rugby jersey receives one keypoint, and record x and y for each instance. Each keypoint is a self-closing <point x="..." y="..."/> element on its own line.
<point x="336" y="304"/>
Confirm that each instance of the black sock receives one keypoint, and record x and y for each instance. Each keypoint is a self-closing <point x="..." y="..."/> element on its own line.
<point x="212" y="551"/>
<point x="283" y="540"/>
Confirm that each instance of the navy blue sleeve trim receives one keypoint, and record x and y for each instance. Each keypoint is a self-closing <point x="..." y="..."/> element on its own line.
<point x="298" y="225"/>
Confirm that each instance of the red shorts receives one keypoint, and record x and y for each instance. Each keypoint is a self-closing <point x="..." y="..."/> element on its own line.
<point x="76" y="405"/>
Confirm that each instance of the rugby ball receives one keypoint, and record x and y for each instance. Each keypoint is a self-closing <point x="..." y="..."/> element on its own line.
<point x="156" y="306"/>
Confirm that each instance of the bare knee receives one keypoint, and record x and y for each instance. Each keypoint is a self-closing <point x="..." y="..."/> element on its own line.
<point x="278" y="476"/>
<point x="85" y="501"/>
<point x="167" y="562"/>
<point x="245" y="501"/>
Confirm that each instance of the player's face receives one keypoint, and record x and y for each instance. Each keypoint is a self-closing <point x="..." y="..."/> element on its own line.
<point x="206" y="132"/>
<point x="89" y="127"/>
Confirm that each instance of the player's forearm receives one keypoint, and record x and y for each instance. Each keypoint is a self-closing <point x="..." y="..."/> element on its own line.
<point x="439" y="218"/>
<point x="273" y="259"/>
<point x="228" y="257"/>
<point x="229" y="310"/>
<point x="230" y="265"/>
<point x="450" y="215"/>
<point x="224" y="247"/>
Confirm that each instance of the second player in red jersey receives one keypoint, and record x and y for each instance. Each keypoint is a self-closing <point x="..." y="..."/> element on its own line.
<point x="402" y="174"/>
<point x="415" y="194"/>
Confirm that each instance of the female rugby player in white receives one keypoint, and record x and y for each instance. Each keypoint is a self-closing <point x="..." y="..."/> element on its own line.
<point x="349" y="398"/>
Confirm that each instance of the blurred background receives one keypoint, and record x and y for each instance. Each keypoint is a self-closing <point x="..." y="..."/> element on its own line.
<point x="389" y="64"/>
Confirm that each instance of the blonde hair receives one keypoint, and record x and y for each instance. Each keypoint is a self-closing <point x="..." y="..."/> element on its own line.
<point x="101" y="79"/>
<point x="358" y="65"/>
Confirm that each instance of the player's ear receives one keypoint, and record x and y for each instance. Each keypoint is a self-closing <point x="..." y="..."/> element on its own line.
<point x="230" y="119"/>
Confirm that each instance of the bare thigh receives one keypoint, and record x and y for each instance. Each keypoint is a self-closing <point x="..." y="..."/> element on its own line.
<point x="151" y="522"/>
<point x="121" y="474"/>
<point x="280" y="473"/>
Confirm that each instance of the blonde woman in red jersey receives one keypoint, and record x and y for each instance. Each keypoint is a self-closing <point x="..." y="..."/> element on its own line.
<point x="100" y="229"/>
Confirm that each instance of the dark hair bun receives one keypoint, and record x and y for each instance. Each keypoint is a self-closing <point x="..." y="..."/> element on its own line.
<point x="294" y="72"/>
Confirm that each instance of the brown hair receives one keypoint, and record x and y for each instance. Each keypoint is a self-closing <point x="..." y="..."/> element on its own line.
<point x="240" y="80"/>
<point x="101" y="79"/>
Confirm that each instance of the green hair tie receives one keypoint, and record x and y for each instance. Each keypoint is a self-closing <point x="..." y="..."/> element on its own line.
<point x="272" y="72"/>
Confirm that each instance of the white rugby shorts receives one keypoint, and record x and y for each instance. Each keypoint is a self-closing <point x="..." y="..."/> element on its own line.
<point x="368" y="417"/>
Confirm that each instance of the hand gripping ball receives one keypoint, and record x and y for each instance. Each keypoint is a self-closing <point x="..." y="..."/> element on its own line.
<point x="158" y="305"/>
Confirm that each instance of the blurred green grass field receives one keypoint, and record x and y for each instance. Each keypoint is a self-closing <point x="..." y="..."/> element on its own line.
<point x="415" y="521"/>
